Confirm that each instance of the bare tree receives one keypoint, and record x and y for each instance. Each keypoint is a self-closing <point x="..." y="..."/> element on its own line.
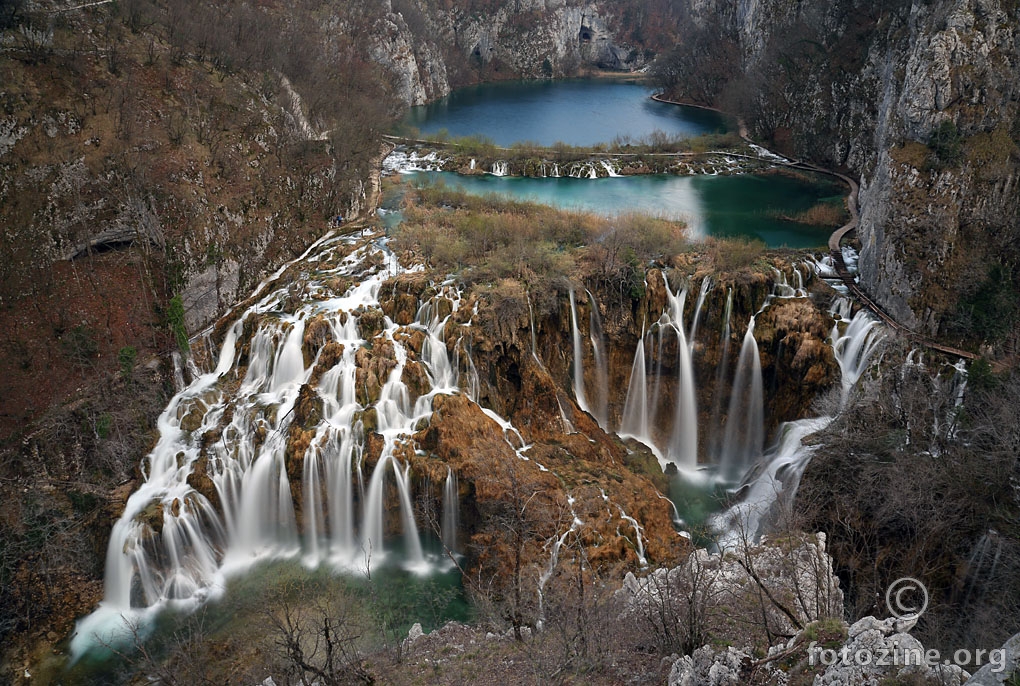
<point x="317" y="639"/>
<point x="522" y="513"/>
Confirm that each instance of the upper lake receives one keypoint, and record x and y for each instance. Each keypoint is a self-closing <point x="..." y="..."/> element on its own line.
<point x="576" y="112"/>
<point x="592" y="111"/>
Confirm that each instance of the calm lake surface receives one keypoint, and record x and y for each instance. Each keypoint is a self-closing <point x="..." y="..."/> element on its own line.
<point x="586" y="112"/>
<point x="576" y="112"/>
<point x="745" y="205"/>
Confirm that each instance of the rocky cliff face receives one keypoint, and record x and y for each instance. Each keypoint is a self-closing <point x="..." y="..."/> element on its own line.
<point x="432" y="48"/>
<point x="918" y="99"/>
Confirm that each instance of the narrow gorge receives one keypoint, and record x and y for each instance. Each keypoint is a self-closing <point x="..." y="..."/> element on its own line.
<point x="415" y="341"/>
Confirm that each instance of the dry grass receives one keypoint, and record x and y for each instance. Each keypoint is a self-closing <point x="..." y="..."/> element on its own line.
<point x="733" y="254"/>
<point x="822" y="214"/>
<point x="486" y="239"/>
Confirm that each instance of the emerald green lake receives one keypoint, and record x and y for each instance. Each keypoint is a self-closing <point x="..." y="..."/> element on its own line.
<point x="745" y="205"/>
<point x="585" y="112"/>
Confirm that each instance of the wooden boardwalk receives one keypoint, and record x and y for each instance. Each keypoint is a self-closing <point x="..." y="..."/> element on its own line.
<point x="835" y="239"/>
<point x="836" y="251"/>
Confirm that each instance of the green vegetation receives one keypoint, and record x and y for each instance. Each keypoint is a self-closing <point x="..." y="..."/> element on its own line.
<point x="992" y="311"/>
<point x="126" y="359"/>
<point x="981" y="375"/>
<point x="656" y="143"/>
<point x="80" y="345"/>
<point x="822" y="214"/>
<point x="946" y="145"/>
<point x="175" y="319"/>
<point x="829" y="632"/>
<point x="103" y="424"/>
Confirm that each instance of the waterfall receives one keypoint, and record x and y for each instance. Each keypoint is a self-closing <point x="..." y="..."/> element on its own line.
<point x="683" y="442"/>
<point x="609" y="169"/>
<point x="579" y="395"/>
<point x="721" y="375"/>
<point x="225" y="439"/>
<point x="451" y="511"/>
<point x="534" y="340"/>
<point x="744" y="434"/>
<point x="472" y="165"/>
<point x="471" y="386"/>
<point x="983" y="563"/>
<point x="657" y="354"/>
<point x="634" y="423"/>
<point x="639" y="542"/>
<point x="500" y="168"/>
<point x="598" y="344"/>
<point x="178" y="371"/>
<point x="853" y="348"/>
<point x="781" y="288"/>
<point x="706" y="286"/>
<point x="442" y="374"/>
<point x="554" y="556"/>
<point x="786" y="461"/>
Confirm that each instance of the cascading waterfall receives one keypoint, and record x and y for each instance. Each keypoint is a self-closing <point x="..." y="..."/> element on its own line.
<point x="609" y="168"/>
<point x="531" y="327"/>
<point x="721" y="375"/>
<point x="451" y="511"/>
<point x="639" y="542"/>
<point x="598" y="344"/>
<point x="706" y="286"/>
<point x="983" y="563"/>
<point x="785" y="463"/>
<point x="178" y="372"/>
<point x="683" y="443"/>
<point x="853" y="348"/>
<point x="634" y="423"/>
<point x="657" y="354"/>
<point x="744" y="434"/>
<point x="229" y="430"/>
<point x="640" y="411"/>
<point x="579" y="395"/>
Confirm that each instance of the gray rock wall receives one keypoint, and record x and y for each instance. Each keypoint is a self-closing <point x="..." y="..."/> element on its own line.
<point x="886" y="77"/>
<point x="529" y="38"/>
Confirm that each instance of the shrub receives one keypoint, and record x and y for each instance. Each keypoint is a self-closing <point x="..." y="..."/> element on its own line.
<point x="946" y="144"/>
<point x="126" y="359"/>
<point x="175" y="319"/>
<point x="732" y="254"/>
<point x="991" y="312"/>
<point x="80" y="345"/>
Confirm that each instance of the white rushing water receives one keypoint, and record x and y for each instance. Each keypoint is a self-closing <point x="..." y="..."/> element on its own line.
<point x="745" y="420"/>
<point x="854" y="343"/>
<point x="579" y="395"/>
<point x="177" y="540"/>
<point x="641" y="410"/>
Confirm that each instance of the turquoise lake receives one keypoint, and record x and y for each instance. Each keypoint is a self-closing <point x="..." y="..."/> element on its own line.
<point x="585" y="112"/>
<point x="745" y="205"/>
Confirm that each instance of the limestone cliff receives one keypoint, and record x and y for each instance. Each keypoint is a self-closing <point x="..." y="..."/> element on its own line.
<point x="432" y="46"/>
<point x="919" y="100"/>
